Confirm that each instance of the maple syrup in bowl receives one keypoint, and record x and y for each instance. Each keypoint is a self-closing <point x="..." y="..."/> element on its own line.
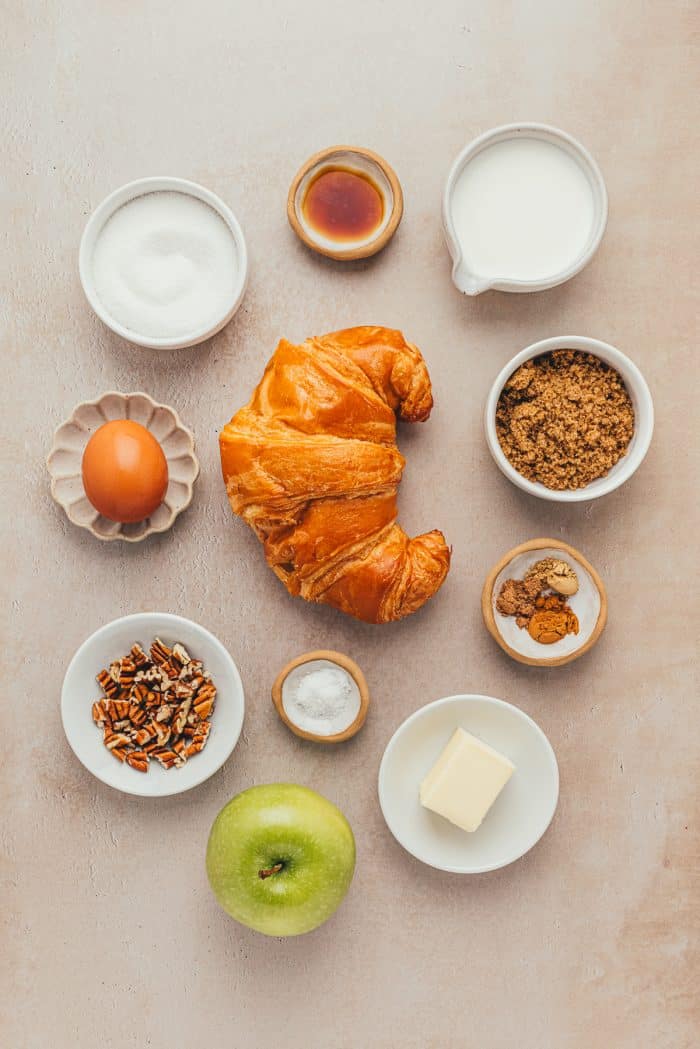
<point x="345" y="202"/>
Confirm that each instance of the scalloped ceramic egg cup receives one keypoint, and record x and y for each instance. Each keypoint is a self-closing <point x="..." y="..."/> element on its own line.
<point x="65" y="463"/>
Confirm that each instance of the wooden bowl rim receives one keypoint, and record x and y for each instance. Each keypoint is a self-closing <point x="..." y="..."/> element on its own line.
<point x="490" y="619"/>
<point x="333" y="657"/>
<point x="379" y="242"/>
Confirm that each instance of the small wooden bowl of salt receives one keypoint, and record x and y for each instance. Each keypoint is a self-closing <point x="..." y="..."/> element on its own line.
<point x="322" y="696"/>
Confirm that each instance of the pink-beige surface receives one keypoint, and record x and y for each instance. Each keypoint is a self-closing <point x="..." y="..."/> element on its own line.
<point x="110" y="935"/>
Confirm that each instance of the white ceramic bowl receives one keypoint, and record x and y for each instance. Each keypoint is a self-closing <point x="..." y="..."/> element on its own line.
<point x="65" y="460"/>
<point x="138" y="188"/>
<point x="643" y="419"/>
<point x="472" y="284"/>
<point x="519" y="816"/>
<point x="80" y="690"/>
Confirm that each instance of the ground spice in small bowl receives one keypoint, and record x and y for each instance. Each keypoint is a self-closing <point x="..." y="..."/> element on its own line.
<point x="552" y="620"/>
<point x="564" y="419"/>
<point x="547" y="616"/>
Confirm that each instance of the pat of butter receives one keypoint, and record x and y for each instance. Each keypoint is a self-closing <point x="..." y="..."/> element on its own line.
<point x="465" y="781"/>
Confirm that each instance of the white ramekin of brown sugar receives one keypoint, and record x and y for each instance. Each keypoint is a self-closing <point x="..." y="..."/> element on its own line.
<point x="636" y="449"/>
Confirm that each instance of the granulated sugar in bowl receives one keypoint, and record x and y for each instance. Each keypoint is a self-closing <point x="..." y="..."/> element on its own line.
<point x="163" y="263"/>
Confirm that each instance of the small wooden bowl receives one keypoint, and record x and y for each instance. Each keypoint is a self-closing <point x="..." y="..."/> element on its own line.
<point x="592" y="604"/>
<point x="347" y="664"/>
<point x="364" y="161"/>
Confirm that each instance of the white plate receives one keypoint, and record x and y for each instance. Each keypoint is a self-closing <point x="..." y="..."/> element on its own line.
<point x="80" y="690"/>
<point x="519" y="816"/>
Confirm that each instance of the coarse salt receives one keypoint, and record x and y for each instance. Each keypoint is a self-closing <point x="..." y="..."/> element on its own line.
<point x="165" y="265"/>
<point x="321" y="697"/>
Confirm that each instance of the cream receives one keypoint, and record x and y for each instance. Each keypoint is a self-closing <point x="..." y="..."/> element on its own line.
<point x="523" y="209"/>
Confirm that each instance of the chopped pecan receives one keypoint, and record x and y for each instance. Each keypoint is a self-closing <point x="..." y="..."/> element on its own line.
<point x="155" y="705"/>
<point x="198" y="731"/>
<point x="127" y="673"/>
<point x="204" y="708"/>
<point x="137" y="714"/>
<point x="108" y="685"/>
<point x="153" y="699"/>
<point x="180" y="719"/>
<point x="152" y="676"/>
<point x="163" y="732"/>
<point x="118" y="708"/>
<point x="180" y="656"/>
<point x="138" y="655"/>
<point x="160" y="653"/>
<point x="182" y="690"/>
<point x="180" y="747"/>
<point x="139" y="693"/>
<point x="145" y="734"/>
<point x="115" y="739"/>
<point x="138" y="760"/>
<point x="167" y="758"/>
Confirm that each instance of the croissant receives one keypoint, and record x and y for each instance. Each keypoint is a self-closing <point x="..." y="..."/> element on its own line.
<point x="311" y="464"/>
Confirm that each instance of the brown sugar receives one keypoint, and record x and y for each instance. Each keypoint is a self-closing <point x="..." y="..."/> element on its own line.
<point x="564" y="419"/>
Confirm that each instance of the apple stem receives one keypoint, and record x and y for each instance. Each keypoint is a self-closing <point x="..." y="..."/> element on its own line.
<point x="267" y="872"/>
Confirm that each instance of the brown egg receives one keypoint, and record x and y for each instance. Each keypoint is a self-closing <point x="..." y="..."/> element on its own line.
<point x="125" y="472"/>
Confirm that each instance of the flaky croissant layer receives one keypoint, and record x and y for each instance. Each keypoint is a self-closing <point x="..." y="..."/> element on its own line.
<point x="311" y="464"/>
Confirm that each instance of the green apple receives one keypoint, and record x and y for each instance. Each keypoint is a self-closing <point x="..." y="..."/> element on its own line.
<point x="280" y="858"/>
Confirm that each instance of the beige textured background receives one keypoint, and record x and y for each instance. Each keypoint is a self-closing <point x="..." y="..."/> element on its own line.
<point x="110" y="937"/>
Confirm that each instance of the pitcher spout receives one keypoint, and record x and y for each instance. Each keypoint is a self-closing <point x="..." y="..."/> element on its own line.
<point x="467" y="282"/>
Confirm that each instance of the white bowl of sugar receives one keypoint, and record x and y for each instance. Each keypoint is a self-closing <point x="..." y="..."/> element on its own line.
<point x="524" y="209"/>
<point x="163" y="262"/>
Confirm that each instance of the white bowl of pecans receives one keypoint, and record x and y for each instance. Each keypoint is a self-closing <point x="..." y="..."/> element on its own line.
<point x="152" y="704"/>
